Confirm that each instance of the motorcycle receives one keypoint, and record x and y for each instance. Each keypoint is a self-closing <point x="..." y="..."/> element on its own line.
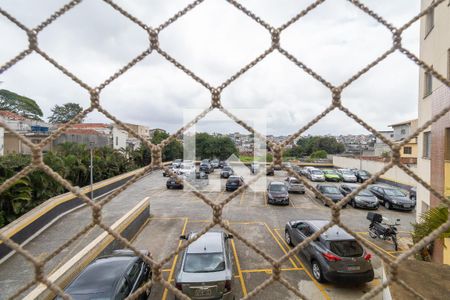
<point x="379" y="228"/>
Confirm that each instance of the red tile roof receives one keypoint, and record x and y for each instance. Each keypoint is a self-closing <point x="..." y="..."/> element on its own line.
<point x="11" y="116"/>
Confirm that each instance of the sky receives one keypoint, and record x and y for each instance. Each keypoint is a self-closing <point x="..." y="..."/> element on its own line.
<point x="215" y="40"/>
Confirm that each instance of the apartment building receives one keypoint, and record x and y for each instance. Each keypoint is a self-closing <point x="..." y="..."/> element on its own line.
<point x="434" y="142"/>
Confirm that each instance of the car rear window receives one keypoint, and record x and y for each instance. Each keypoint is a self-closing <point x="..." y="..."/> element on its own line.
<point x="331" y="190"/>
<point x="346" y="248"/>
<point x="316" y="172"/>
<point x="204" y="262"/>
<point x="277" y="187"/>
<point x="295" y="181"/>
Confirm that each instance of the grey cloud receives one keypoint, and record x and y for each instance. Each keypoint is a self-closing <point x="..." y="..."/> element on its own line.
<point x="215" y="40"/>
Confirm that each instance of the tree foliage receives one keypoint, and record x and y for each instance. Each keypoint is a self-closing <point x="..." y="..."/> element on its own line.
<point x="70" y="160"/>
<point x="319" y="154"/>
<point x="210" y="146"/>
<point x="308" y="145"/>
<point x="20" y="105"/>
<point x="64" y="113"/>
<point x="429" y="221"/>
<point x="173" y="150"/>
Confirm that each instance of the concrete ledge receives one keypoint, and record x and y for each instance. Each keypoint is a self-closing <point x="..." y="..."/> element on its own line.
<point x="128" y="226"/>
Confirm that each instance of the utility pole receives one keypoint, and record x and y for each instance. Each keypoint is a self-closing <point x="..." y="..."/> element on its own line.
<point x="91" y="168"/>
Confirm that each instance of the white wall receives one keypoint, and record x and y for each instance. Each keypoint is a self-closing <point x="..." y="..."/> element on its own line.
<point x="119" y="138"/>
<point x="394" y="174"/>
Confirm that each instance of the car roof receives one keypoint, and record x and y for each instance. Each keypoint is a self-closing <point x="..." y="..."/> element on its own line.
<point x="210" y="242"/>
<point x="333" y="233"/>
<point x="276" y="183"/>
<point x="234" y="177"/>
<point x="101" y="275"/>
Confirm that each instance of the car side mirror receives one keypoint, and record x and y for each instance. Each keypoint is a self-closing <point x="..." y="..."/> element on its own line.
<point x="183" y="237"/>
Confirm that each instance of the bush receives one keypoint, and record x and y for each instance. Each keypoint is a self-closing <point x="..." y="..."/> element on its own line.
<point x="319" y="154"/>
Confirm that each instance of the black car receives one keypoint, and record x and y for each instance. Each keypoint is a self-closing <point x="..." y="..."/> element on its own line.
<point x="270" y="171"/>
<point x="174" y="183"/>
<point x="334" y="256"/>
<point x="115" y="276"/>
<point x="277" y="193"/>
<point x="330" y="191"/>
<point x="226" y="172"/>
<point x="393" y="198"/>
<point x="233" y="183"/>
<point x="362" y="175"/>
<point x="364" y="199"/>
<point x="206" y="167"/>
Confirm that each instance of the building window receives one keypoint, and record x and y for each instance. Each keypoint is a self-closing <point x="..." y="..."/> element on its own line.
<point x="428" y="85"/>
<point x="429" y="24"/>
<point x="426" y="144"/>
<point x="117" y="140"/>
<point x="407" y="150"/>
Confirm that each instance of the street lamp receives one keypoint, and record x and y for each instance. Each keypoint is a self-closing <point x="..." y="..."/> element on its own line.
<point x="91" y="168"/>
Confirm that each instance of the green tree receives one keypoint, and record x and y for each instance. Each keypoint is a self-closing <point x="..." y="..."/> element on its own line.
<point x="429" y="221"/>
<point x="173" y="150"/>
<point x="210" y="146"/>
<point x="310" y="144"/>
<point x="64" y="113"/>
<point x="319" y="154"/>
<point x="20" y="105"/>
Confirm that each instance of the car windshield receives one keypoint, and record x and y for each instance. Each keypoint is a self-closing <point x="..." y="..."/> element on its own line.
<point x="277" y="188"/>
<point x="204" y="262"/>
<point x="394" y="192"/>
<point x="233" y="179"/>
<point x="316" y="172"/>
<point x="346" y="248"/>
<point x="330" y="190"/>
<point x="347" y="172"/>
<point x="295" y="181"/>
<point x="226" y="169"/>
<point x="364" y="173"/>
<point x="365" y="192"/>
<point x="331" y="172"/>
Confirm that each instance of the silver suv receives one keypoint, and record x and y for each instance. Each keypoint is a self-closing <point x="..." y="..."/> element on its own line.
<point x="206" y="269"/>
<point x="334" y="256"/>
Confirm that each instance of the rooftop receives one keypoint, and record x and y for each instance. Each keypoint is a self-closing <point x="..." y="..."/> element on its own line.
<point x="11" y="116"/>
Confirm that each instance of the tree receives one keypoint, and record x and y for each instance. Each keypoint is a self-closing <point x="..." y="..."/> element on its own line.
<point x="319" y="154"/>
<point x="210" y="146"/>
<point x="172" y="151"/>
<point x="20" y="105"/>
<point x="64" y="113"/>
<point x="310" y="144"/>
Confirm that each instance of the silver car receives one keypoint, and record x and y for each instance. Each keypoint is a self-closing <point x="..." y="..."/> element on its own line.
<point x="347" y="175"/>
<point x="294" y="185"/>
<point x="206" y="269"/>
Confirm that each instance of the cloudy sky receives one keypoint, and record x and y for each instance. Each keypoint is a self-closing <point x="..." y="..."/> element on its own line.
<point x="215" y="40"/>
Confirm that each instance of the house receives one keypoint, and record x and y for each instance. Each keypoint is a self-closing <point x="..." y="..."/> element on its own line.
<point x="401" y="131"/>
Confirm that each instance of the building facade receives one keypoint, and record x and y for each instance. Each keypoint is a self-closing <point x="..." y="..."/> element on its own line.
<point x="401" y="131"/>
<point x="434" y="142"/>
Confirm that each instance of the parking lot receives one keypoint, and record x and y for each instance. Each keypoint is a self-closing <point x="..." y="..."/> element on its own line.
<point x="176" y="212"/>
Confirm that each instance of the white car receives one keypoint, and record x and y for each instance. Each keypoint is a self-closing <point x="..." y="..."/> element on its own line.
<point x="186" y="169"/>
<point x="316" y="175"/>
<point x="294" y="185"/>
<point x="347" y="175"/>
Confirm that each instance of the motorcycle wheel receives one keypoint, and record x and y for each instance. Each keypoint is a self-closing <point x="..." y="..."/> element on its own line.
<point x="394" y="240"/>
<point x="372" y="234"/>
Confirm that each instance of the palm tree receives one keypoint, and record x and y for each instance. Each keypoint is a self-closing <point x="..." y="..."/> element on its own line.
<point x="428" y="222"/>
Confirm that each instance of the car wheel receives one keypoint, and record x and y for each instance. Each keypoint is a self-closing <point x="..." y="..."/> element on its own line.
<point x="287" y="236"/>
<point x="387" y="205"/>
<point x="317" y="271"/>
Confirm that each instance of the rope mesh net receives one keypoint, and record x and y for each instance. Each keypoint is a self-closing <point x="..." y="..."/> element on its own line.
<point x="154" y="48"/>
